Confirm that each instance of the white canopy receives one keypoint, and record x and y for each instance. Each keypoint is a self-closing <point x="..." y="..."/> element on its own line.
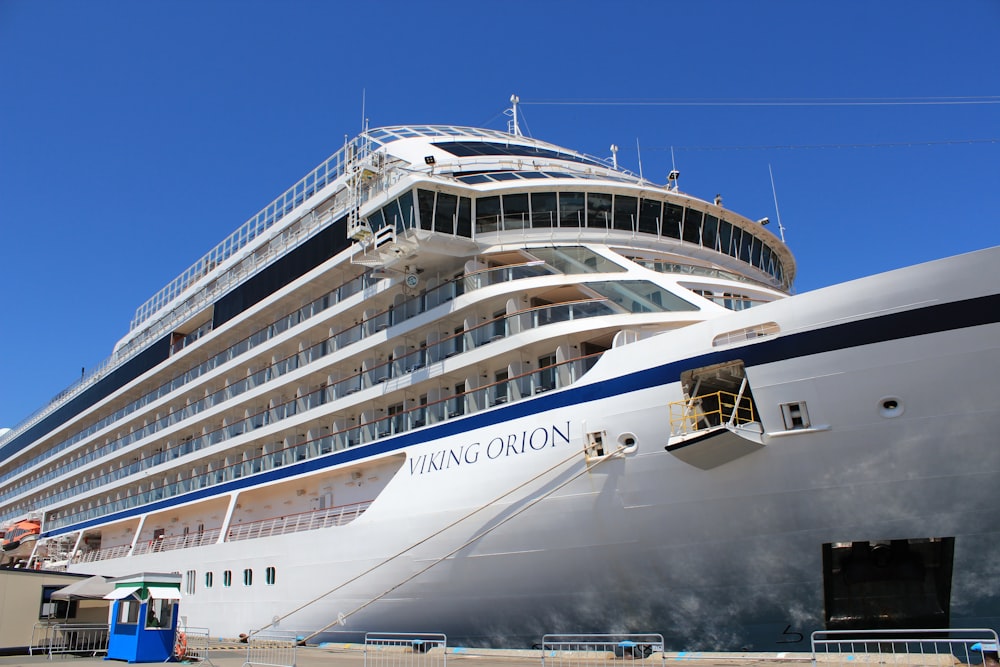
<point x="91" y="588"/>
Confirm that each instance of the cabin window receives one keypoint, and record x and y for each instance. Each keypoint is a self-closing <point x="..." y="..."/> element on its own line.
<point x="189" y="582"/>
<point x="269" y="576"/>
<point x="227" y="578"/>
<point x="208" y="579"/>
<point x="248" y="577"/>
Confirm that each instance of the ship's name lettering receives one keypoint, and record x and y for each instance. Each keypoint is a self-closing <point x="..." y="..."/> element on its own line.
<point x="510" y="444"/>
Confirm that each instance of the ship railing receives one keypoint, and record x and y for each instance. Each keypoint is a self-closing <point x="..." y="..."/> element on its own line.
<point x="105" y="553"/>
<point x="519" y="387"/>
<point x="597" y="650"/>
<point x="710" y="410"/>
<point x="76" y="638"/>
<point x="484" y="333"/>
<point x="294" y="523"/>
<point x="377" y="322"/>
<point x="943" y="647"/>
<point x="172" y="542"/>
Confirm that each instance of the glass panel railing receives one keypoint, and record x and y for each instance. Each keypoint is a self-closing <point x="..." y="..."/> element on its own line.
<point x="512" y="389"/>
<point x="408" y="309"/>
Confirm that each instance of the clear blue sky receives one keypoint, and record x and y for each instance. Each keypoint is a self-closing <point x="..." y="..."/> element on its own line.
<point x="134" y="135"/>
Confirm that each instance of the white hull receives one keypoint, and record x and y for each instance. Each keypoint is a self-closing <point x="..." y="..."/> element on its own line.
<point x="726" y="557"/>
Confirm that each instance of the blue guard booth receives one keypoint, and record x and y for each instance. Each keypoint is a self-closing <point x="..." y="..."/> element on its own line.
<point x="144" y="617"/>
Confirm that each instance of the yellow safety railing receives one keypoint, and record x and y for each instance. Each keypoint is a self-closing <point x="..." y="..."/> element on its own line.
<point x="710" y="410"/>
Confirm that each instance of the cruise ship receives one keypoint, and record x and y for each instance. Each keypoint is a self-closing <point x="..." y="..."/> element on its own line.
<point x="466" y="381"/>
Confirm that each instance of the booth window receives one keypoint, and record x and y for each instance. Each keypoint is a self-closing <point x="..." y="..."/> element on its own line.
<point x="159" y="614"/>
<point x="128" y="611"/>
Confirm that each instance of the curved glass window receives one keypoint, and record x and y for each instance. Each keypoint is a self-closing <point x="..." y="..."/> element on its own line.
<point x="649" y="216"/>
<point x="672" y="217"/>
<point x="692" y="226"/>
<point x="598" y="210"/>
<point x="602" y="210"/>
<point x="626" y="209"/>
<point x="544" y="210"/>
<point x="572" y="209"/>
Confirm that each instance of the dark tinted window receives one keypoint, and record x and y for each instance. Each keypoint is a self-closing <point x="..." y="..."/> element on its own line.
<point x="672" y="215"/>
<point x="625" y="212"/>
<point x="709" y="231"/>
<point x="464" y="217"/>
<point x="487" y="214"/>
<point x="515" y="211"/>
<point x="692" y="226"/>
<point x="598" y="210"/>
<point x="444" y="213"/>
<point x="571" y="209"/>
<point x="470" y="148"/>
<point x="649" y="214"/>
<point x="425" y="202"/>
<point x="543" y="209"/>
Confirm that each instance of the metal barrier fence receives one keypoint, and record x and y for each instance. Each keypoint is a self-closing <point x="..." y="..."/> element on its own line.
<point x="938" y="648"/>
<point x="272" y="649"/>
<point x="396" y="649"/>
<point x="193" y="645"/>
<point x="596" y="650"/>
<point x="84" y="639"/>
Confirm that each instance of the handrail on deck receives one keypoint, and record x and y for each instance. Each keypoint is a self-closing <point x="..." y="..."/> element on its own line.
<point x="706" y="411"/>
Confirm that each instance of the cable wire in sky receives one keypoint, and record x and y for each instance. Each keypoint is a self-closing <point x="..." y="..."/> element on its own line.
<point x="772" y="102"/>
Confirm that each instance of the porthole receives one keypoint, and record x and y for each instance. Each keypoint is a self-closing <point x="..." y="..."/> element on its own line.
<point x="890" y="406"/>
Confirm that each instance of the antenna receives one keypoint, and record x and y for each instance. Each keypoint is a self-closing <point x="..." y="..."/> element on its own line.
<point x="781" y="228"/>
<point x="614" y="156"/>
<point x="364" y="121"/>
<point x="514" y="129"/>
<point x="639" y="153"/>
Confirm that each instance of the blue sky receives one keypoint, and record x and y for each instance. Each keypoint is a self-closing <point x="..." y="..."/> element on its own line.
<point x="136" y="135"/>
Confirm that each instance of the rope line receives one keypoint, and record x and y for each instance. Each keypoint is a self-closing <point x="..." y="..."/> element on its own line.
<point x="492" y="502"/>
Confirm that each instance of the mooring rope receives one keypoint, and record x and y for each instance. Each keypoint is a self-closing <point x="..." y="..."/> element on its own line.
<point x="342" y="617"/>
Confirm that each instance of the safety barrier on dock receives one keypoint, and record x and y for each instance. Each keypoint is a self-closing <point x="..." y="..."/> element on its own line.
<point x="391" y="649"/>
<point x="933" y="647"/>
<point x="73" y="638"/>
<point x="194" y="645"/>
<point x="595" y="650"/>
<point x="272" y="649"/>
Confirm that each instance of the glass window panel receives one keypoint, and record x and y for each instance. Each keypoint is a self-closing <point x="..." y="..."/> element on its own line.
<point x="425" y="201"/>
<point x="725" y="236"/>
<point x="649" y="216"/>
<point x="444" y="213"/>
<point x="543" y="209"/>
<point x="734" y="247"/>
<point x="375" y="219"/>
<point x="755" y="252"/>
<point x="672" y="216"/>
<point x="571" y="209"/>
<point x="746" y="246"/>
<point x="487" y="214"/>
<point x="709" y="231"/>
<point x="515" y="211"/>
<point x="692" y="226"/>
<point x="464" y="217"/>
<point x="406" y="209"/>
<point x="598" y="210"/>
<point x="625" y="212"/>
<point x="640" y="296"/>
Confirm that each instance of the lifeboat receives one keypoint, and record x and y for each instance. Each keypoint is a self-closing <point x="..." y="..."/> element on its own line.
<point x="20" y="537"/>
